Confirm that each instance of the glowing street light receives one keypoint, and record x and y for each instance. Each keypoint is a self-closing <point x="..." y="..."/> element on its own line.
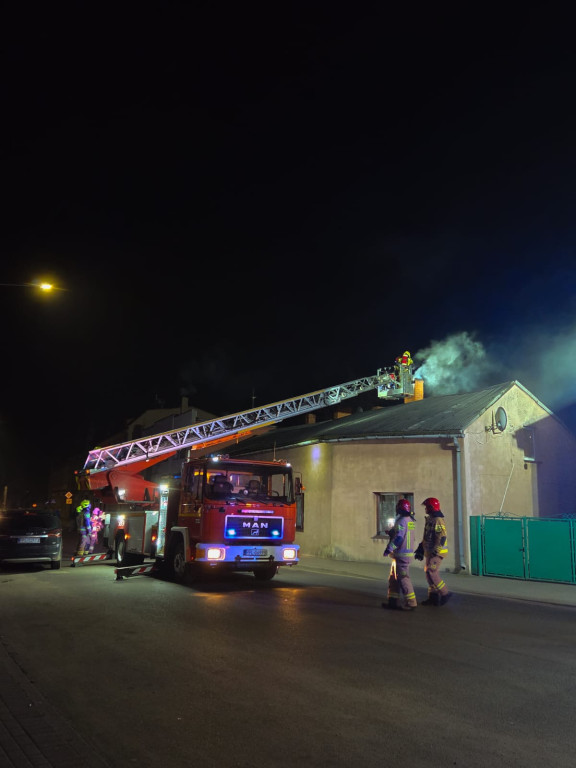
<point x="46" y="287"/>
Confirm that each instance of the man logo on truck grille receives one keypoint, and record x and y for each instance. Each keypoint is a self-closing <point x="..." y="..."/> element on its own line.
<point x="239" y="527"/>
<point x="255" y="530"/>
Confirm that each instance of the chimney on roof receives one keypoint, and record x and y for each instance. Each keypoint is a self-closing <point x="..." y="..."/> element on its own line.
<point x="339" y="413"/>
<point x="418" y="392"/>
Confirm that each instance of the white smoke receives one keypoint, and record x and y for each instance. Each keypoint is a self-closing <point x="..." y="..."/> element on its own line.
<point x="457" y="364"/>
<point x="542" y="361"/>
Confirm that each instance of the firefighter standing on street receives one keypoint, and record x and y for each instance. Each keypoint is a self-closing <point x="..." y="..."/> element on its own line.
<point x="432" y="549"/>
<point x="400" y="548"/>
<point x="84" y="522"/>
<point x="96" y="525"/>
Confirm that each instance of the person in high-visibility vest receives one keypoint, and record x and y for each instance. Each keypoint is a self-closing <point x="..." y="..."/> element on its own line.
<point x="84" y="523"/>
<point x="405" y="359"/>
<point x="97" y="524"/>
<point x="433" y="549"/>
<point x="401" y="364"/>
<point x="401" y="549"/>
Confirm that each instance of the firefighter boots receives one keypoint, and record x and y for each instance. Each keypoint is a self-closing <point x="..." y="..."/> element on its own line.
<point x="444" y="598"/>
<point x="432" y="599"/>
<point x="393" y="604"/>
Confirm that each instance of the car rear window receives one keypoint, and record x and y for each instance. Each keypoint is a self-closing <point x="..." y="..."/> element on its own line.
<point x="20" y="522"/>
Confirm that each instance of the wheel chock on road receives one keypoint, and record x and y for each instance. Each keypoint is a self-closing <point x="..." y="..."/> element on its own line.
<point x="87" y="559"/>
<point x="134" y="570"/>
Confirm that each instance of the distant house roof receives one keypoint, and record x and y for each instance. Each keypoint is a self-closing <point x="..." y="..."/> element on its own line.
<point x="434" y="416"/>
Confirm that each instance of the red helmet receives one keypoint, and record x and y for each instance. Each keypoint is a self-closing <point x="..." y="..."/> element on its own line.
<point x="431" y="504"/>
<point x="403" y="507"/>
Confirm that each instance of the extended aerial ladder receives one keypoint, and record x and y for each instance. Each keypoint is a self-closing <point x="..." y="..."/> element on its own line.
<point x="131" y="457"/>
<point x="140" y="506"/>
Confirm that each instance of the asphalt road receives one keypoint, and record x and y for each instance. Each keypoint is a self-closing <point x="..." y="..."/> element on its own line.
<point x="304" y="670"/>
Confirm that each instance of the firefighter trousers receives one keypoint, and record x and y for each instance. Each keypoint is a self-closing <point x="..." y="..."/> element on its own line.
<point x="94" y="543"/>
<point x="436" y="584"/>
<point x="399" y="582"/>
<point x="83" y="542"/>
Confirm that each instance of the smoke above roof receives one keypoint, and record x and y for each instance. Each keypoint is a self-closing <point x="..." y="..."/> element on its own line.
<point x="458" y="363"/>
<point x="545" y="363"/>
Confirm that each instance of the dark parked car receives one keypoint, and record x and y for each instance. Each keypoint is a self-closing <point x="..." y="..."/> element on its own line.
<point x="30" y="536"/>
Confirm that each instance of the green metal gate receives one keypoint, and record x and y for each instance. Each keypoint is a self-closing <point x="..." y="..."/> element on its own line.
<point x="541" y="549"/>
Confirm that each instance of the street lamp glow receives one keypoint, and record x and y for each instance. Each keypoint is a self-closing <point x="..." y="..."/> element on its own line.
<point x="46" y="287"/>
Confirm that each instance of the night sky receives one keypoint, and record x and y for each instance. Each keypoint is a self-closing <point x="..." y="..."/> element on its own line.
<point x="249" y="202"/>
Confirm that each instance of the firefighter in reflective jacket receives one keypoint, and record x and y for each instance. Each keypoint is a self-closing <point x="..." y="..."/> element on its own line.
<point x="406" y="359"/>
<point x="401" y="549"/>
<point x="84" y="521"/>
<point x="401" y="364"/>
<point x="432" y="549"/>
<point x="97" y="523"/>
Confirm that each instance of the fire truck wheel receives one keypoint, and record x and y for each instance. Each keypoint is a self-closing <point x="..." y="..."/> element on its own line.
<point x="179" y="561"/>
<point x="123" y="557"/>
<point x="265" y="574"/>
<point x="120" y="549"/>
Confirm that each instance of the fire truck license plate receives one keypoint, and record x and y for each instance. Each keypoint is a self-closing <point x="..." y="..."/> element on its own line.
<point x="255" y="552"/>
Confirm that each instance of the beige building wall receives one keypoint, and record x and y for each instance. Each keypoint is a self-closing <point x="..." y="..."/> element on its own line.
<point x="496" y="479"/>
<point x="500" y="479"/>
<point x="314" y="464"/>
<point x="342" y="481"/>
<point x="364" y="469"/>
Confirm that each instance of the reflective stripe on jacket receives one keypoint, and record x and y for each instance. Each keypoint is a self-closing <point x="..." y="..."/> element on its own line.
<point x="402" y="536"/>
<point x="435" y="540"/>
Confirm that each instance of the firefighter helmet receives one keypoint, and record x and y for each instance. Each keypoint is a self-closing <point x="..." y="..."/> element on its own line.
<point x="431" y="504"/>
<point x="403" y="507"/>
<point x="84" y="503"/>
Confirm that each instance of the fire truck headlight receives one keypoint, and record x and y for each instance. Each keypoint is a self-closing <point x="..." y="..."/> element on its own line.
<point x="289" y="554"/>
<point x="215" y="553"/>
<point x="120" y="521"/>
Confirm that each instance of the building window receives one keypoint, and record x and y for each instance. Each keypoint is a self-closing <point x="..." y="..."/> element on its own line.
<point x="386" y="509"/>
<point x="525" y="438"/>
<point x="299" y="511"/>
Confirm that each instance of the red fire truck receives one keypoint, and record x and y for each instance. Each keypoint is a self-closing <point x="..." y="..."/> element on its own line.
<point x="226" y="514"/>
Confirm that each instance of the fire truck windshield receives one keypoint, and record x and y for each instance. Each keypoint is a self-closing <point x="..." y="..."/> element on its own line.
<point x="256" y="482"/>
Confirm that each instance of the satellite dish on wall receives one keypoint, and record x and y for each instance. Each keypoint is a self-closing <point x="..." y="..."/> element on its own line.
<point x="501" y="419"/>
